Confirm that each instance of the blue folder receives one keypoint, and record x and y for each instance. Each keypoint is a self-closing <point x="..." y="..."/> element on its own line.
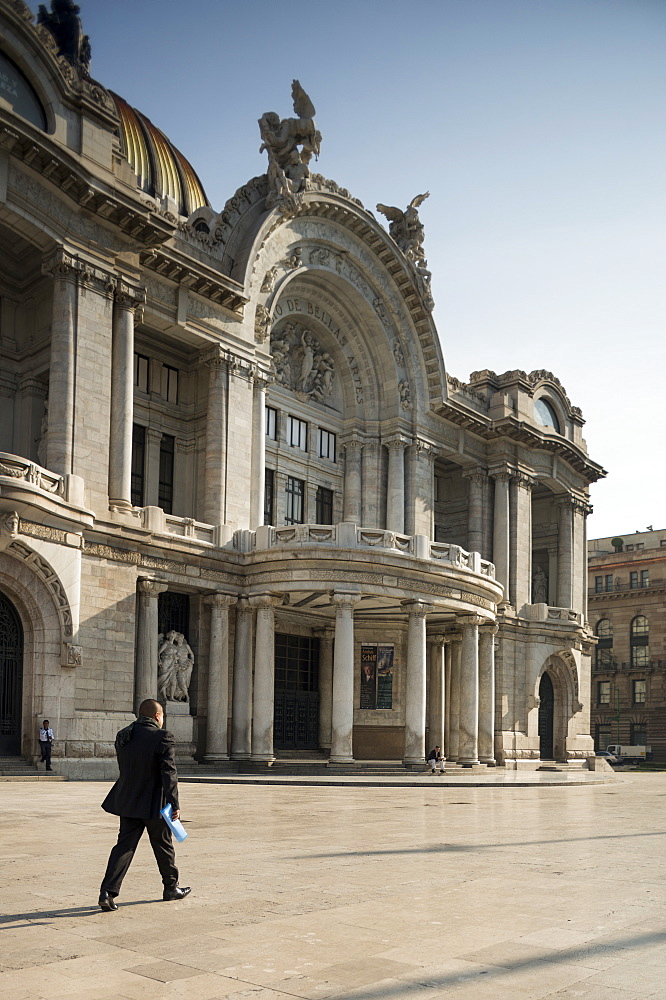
<point x="176" y="827"/>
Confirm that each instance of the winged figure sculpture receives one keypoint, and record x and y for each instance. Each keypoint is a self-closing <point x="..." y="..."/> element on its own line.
<point x="406" y="227"/>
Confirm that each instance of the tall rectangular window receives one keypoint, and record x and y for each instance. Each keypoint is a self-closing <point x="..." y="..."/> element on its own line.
<point x="169" y="384"/>
<point x="638" y="692"/>
<point x="645" y="578"/>
<point x="138" y="463"/>
<point x="271" y="423"/>
<point x="326" y="446"/>
<point x="609" y="582"/>
<point x="598" y="584"/>
<point x="638" y="734"/>
<point x="602" y="735"/>
<point x="141" y="365"/>
<point x="633" y="580"/>
<point x="165" y="495"/>
<point x="295" y="491"/>
<point x="269" y="497"/>
<point x="297" y="433"/>
<point x="324" y="506"/>
<point x="603" y="692"/>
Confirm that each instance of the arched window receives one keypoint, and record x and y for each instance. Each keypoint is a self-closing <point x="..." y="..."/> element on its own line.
<point x="604" y="651"/>
<point x="545" y="414"/>
<point x="17" y="92"/>
<point x="639" y="638"/>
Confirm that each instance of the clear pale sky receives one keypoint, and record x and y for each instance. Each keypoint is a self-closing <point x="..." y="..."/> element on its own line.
<point x="536" y="125"/>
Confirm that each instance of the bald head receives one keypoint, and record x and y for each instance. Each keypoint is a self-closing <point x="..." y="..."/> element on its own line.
<point x="150" y="708"/>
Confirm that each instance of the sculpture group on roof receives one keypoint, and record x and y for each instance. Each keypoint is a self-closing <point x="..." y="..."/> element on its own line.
<point x="290" y="143"/>
<point x="64" y="23"/>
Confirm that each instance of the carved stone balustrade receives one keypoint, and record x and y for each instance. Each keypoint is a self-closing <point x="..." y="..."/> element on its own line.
<point x="29" y="488"/>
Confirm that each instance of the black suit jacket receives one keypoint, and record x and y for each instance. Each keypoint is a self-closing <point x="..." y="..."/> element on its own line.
<point x="148" y="778"/>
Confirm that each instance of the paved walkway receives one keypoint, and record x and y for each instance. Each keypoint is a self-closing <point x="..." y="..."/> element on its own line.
<point x="329" y="892"/>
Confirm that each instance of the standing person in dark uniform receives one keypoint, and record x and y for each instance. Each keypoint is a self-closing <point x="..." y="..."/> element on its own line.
<point x="148" y="781"/>
<point x="46" y="743"/>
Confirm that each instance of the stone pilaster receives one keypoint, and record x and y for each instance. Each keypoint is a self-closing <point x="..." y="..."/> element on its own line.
<point x="437" y="693"/>
<point x="353" y="485"/>
<point x="422" y="500"/>
<point x="263" y="696"/>
<point x="241" y="713"/>
<point x="501" y="534"/>
<point x="476" y="482"/>
<point x="579" y="556"/>
<point x="468" y="749"/>
<point x="487" y="635"/>
<point x="371" y="477"/>
<point x="453" y="728"/>
<point x="218" y="677"/>
<point x="325" y="685"/>
<point x="215" y="465"/>
<point x="258" y="473"/>
<point x="565" y="543"/>
<point x="62" y="367"/>
<point x="415" y="688"/>
<point x="127" y="300"/>
<point x="520" y="582"/>
<point x="395" y="493"/>
<point x="151" y="493"/>
<point x="342" y="722"/>
<point x="146" y="645"/>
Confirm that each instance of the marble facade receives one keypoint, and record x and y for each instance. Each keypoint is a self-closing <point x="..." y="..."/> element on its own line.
<point x="245" y="415"/>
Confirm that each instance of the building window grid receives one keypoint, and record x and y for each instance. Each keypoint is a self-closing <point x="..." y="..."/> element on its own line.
<point x="324" y="505"/>
<point x="326" y="444"/>
<point x="169" y="384"/>
<point x="269" y="496"/>
<point x="297" y="433"/>
<point x="165" y="495"/>
<point x="141" y="369"/>
<point x="638" y="692"/>
<point x="295" y="490"/>
<point x="138" y="464"/>
<point x="271" y="423"/>
<point x="603" y="692"/>
<point x="639" y="638"/>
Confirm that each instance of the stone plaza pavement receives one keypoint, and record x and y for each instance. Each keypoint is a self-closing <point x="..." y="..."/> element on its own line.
<point x="495" y="893"/>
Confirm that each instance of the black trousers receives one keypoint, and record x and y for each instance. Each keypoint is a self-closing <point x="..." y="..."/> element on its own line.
<point x="46" y="751"/>
<point x="131" y="830"/>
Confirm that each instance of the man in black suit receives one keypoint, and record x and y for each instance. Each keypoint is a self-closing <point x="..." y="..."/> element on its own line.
<point x="147" y="782"/>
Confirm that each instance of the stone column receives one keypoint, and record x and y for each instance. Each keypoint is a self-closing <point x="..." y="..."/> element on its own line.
<point x="371" y="478"/>
<point x="487" y="635"/>
<point x="151" y="490"/>
<point x="325" y="685"/>
<point x="263" y="698"/>
<point x="62" y="366"/>
<point x="501" y="531"/>
<point x="447" y="661"/>
<point x="126" y="300"/>
<point x="415" y="689"/>
<point x="468" y="749"/>
<point x="218" y="677"/>
<point x="241" y="706"/>
<point x="422" y="500"/>
<point x="565" y="554"/>
<point x="395" y="491"/>
<point x="476" y="482"/>
<point x="579" y="557"/>
<point x="520" y="577"/>
<point x="437" y="693"/>
<point x="258" y="487"/>
<point x="353" y="487"/>
<point x="146" y="645"/>
<point x="454" y="706"/>
<point x="215" y="468"/>
<point x="342" y="722"/>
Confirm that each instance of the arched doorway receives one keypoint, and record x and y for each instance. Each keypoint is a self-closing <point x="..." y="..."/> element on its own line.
<point x="11" y="677"/>
<point x="546" y="717"/>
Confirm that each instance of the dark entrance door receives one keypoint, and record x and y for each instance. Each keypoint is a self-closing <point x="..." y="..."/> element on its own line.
<point x="296" y="723"/>
<point x="546" y="714"/>
<point x="11" y="677"/>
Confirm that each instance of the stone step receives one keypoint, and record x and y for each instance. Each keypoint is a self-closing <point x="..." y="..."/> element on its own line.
<point x="17" y="768"/>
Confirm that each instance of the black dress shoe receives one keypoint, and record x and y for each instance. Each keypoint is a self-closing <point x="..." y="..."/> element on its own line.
<point x="107" y="902"/>
<point x="178" y="892"/>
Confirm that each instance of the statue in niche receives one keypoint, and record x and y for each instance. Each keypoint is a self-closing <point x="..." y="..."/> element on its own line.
<point x="290" y="143"/>
<point x="300" y="363"/>
<point x="268" y="284"/>
<point x="175" y="665"/>
<point x="64" y="23"/>
<point x="539" y="586"/>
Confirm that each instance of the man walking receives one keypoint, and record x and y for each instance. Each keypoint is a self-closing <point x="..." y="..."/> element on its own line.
<point x="148" y="781"/>
<point x="46" y="743"/>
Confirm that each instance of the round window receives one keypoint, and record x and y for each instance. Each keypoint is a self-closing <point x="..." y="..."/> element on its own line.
<point x="545" y="414"/>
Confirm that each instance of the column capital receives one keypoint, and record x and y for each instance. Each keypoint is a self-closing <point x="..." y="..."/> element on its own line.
<point x="425" y="449"/>
<point x="436" y="639"/>
<point x="154" y="433"/>
<point x="261" y="379"/>
<point x="61" y="264"/>
<point x="220" y="600"/>
<point x="352" y="444"/>
<point x="488" y="628"/>
<point x="524" y="482"/>
<point x="151" y="588"/>
<point x="343" y="599"/>
<point x="129" y="296"/>
<point x="417" y="609"/>
<point x="265" y="600"/>
<point x="468" y="620"/>
<point x="326" y="634"/>
<point x="478" y="476"/>
<point x="398" y="443"/>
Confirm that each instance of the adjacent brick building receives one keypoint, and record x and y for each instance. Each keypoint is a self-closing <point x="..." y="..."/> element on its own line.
<point x="627" y="583"/>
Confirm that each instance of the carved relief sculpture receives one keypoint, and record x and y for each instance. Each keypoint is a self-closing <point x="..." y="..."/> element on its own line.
<point x="406" y="229"/>
<point x="539" y="587"/>
<point x="290" y="144"/>
<point x="300" y="363"/>
<point x="175" y="665"/>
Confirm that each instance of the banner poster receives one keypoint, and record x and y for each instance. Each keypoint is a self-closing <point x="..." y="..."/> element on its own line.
<point x="376" y="675"/>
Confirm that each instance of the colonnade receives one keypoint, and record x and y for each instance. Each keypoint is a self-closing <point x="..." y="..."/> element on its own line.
<point x="454" y="695"/>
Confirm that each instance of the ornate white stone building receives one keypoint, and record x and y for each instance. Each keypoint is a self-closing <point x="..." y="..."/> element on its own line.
<point x="230" y="450"/>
